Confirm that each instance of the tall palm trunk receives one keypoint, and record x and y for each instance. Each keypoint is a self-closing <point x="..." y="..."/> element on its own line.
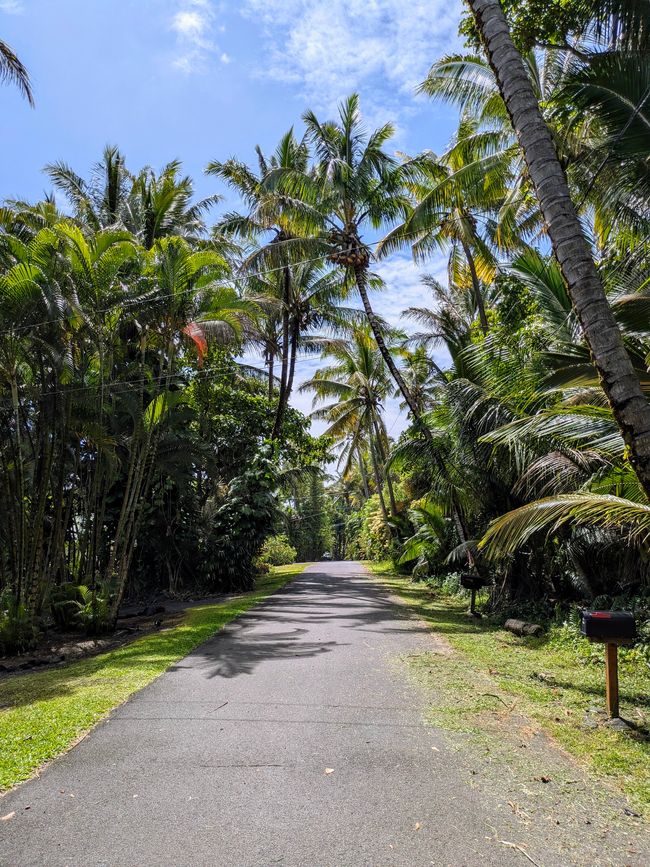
<point x="378" y="480"/>
<point x="476" y="285"/>
<point x="294" y="337"/>
<point x="282" y="398"/>
<point x="361" y="279"/>
<point x="364" y="474"/>
<point x="384" y="457"/>
<point x="271" y="359"/>
<point x="618" y="379"/>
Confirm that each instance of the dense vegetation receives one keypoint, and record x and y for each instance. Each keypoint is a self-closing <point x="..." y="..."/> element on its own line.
<point x="138" y="452"/>
<point x="524" y="472"/>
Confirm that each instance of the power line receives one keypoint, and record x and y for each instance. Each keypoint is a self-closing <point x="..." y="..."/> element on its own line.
<point x="129" y="385"/>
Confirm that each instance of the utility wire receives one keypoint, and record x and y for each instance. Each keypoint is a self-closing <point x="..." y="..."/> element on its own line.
<point x="191" y="291"/>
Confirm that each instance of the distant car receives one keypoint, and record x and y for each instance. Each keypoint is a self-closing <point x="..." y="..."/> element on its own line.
<point x="326" y="556"/>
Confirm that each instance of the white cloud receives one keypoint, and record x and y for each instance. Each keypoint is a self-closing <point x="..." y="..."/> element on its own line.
<point x="12" y="7"/>
<point x="194" y="25"/>
<point x="378" y="46"/>
<point x="190" y="25"/>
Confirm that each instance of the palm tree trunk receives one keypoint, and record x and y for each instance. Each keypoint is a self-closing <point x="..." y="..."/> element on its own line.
<point x="618" y="379"/>
<point x="378" y="480"/>
<point x="478" y="295"/>
<point x="361" y="277"/>
<point x="282" y="401"/>
<point x="294" y="337"/>
<point x="271" y="357"/>
<point x="384" y="457"/>
<point x="364" y="474"/>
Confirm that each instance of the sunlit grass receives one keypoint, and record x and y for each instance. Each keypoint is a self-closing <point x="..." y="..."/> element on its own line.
<point x="556" y="680"/>
<point x="42" y="714"/>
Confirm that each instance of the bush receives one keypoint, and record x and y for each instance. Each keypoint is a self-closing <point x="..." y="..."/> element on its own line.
<point x="75" y="606"/>
<point x="17" y="629"/>
<point x="240" y="526"/>
<point x="277" y="551"/>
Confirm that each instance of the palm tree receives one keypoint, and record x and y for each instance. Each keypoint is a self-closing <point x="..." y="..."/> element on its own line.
<point x="151" y="205"/>
<point x="270" y="214"/>
<point x="188" y="295"/>
<point x="617" y="376"/>
<point x="446" y="322"/>
<point x="358" y="380"/>
<point x="596" y="107"/>
<point x="160" y="204"/>
<point x="354" y="186"/>
<point x="13" y="71"/>
<point x="100" y="201"/>
<point x="456" y="195"/>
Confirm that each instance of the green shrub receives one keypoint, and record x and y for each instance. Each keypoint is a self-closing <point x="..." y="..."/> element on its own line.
<point x="75" y="606"/>
<point x="17" y="629"/>
<point x="240" y="526"/>
<point x="277" y="551"/>
<point x="64" y="606"/>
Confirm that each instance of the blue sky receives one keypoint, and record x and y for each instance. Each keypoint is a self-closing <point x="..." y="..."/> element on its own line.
<point x="203" y="79"/>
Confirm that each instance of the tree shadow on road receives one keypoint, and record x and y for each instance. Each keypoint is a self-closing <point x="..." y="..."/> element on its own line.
<point x="242" y="648"/>
<point x="315" y="598"/>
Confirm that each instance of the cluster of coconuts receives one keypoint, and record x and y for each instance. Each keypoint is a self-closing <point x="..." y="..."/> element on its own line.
<point x="349" y="252"/>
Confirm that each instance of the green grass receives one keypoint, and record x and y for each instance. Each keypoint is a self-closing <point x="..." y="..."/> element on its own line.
<point x="553" y="680"/>
<point x="43" y="714"/>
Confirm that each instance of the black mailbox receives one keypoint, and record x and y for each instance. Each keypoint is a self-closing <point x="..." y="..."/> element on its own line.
<point x="471" y="582"/>
<point x="610" y="627"/>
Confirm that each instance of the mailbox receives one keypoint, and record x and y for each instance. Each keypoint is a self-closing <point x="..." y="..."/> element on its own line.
<point x="471" y="582"/>
<point x="609" y="627"/>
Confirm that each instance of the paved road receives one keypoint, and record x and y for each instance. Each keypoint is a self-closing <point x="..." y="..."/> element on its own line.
<point x="292" y="738"/>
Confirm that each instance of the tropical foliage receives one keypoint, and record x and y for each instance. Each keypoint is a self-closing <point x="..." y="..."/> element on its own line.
<point x="526" y="475"/>
<point x="150" y="346"/>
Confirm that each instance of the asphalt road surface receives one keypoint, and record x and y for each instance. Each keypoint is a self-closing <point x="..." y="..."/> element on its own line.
<point x="293" y="738"/>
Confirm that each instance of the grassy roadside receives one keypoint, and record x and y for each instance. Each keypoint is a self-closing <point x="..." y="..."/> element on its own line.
<point x="555" y="681"/>
<point x="43" y="714"/>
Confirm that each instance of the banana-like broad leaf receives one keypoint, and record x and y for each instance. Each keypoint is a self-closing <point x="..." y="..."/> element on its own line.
<point x="159" y="407"/>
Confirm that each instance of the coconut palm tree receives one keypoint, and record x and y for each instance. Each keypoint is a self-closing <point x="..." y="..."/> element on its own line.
<point x="13" y="71"/>
<point x="359" y="382"/>
<point x="272" y="220"/>
<point x="355" y="186"/>
<point x="596" y="107"/>
<point x="151" y="205"/>
<point x="456" y="195"/>
<point x="616" y="373"/>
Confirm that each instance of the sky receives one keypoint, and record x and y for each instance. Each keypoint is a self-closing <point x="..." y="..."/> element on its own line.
<point x="200" y="80"/>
